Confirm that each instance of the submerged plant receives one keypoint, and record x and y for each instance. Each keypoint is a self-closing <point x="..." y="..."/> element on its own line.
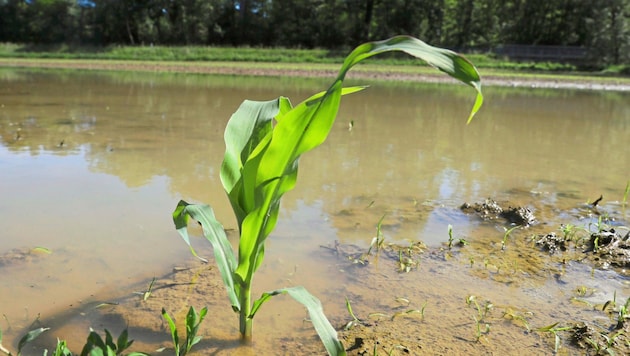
<point x="28" y="337"/>
<point x="264" y="141"/>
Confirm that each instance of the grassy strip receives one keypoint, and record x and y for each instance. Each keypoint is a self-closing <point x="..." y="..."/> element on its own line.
<point x="262" y="55"/>
<point x="372" y="69"/>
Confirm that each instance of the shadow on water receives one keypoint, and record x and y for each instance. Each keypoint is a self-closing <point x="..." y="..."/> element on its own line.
<point x="93" y="171"/>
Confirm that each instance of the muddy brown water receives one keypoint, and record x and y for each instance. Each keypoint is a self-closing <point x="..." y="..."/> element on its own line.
<point x="92" y="165"/>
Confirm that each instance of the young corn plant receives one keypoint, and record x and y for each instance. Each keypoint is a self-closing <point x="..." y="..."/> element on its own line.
<point x="193" y="320"/>
<point x="264" y="141"/>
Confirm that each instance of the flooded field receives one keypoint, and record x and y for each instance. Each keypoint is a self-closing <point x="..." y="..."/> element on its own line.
<point x="93" y="164"/>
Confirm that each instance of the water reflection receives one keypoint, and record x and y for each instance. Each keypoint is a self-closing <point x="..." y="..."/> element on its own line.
<point x="93" y="164"/>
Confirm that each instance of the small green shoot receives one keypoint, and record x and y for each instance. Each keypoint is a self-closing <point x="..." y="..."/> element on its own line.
<point x="96" y="346"/>
<point x="193" y="320"/>
<point x="552" y="329"/>
<point x="626" y="192"/>
<point x="147" y="294"/>
<point x="478" y="331"/>
<point x="42" y="250"/>
<point x="379" y="240"/>
<point x="451" y="239"/>
<point x="569" y="232"/>
<point x="61" y="349"/>
<point x="355" y="321"/>
<point x="30" y="336"/>
<point x="511" y="314"/>
<point x="482" y="311"/>
<point x="405" y="263"/>
<point x="506" y="235"/>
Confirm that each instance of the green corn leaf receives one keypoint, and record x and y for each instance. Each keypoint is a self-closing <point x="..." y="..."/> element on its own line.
<point x="173" y="328"/>
<point x="30" y="336"/>
<point x="324" y="329"/>
<point x="214" y="232"/>
<point x="274" y="166"/>
<point x="248" y="126"/>
<point x="445" y="60"/>
<point x="271" y="171"/>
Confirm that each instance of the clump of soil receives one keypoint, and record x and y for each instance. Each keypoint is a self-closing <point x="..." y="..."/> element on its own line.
<point x="491" y="210"/>
<point x="600" y="341"/>
<point x="552" y="243"/>
<point x="609" y="247"/>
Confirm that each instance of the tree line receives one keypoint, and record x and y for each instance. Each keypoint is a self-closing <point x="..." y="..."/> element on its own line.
<point x="603" y="26"/>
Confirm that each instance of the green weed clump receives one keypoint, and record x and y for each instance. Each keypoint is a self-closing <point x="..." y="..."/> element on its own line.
<point x="264" y="141"/>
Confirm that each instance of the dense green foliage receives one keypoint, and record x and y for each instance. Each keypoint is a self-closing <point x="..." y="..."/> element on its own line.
<point x="602" y="26"/>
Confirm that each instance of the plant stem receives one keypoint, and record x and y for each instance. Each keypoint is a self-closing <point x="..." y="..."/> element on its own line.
<point x="245" y="322"/>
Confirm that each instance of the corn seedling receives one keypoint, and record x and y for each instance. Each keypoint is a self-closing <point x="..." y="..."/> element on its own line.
<point x="569" y="232"/>
<point x="379" y="240"/>
<point x="479" y="332"/>
<point x="611" y="304"/>
<point x="622" y="314"/>
<point x="511" y="314"/>
<point x="506" y="235"/>
<point x="554" y="330"/>
<point x="147" y="294"/>
<point x="264" y="141"/>
<point x="450" y="236"/>
<point x="61" y="349"/>
<point x="355" y="321"/>
<point x="482" y="311"/>
<point x="193" y="320"/>
<point x="96" y="346"/>
<point x="405" y="263"/>
<point x="451" y="239"/>
<point x="30" y="336"/>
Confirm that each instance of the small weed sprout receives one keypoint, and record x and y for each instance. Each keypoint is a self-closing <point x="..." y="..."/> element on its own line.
<point x="626" y="192"/>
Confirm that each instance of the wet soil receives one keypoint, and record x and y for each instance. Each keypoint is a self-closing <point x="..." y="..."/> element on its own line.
<point x="414" y="299"/>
